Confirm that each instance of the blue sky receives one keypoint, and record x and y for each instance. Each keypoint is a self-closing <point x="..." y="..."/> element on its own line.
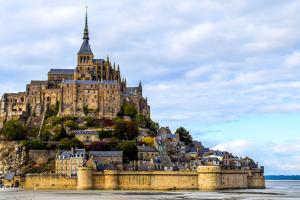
<point x="229" y="72"/>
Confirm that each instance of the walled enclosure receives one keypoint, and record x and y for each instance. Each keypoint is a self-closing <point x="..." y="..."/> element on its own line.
<point x="206" y="178"/>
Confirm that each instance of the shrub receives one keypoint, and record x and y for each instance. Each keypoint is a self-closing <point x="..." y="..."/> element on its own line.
<point x="129" y="150"/>
<point x="67" y="143"/>
<point x="34" y="144"/>
<point x="14" y="130"/>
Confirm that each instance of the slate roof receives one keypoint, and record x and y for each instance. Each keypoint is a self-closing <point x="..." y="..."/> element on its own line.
<point x="146" y="149"/>
<point x="61" y="71"/>
<point x="171" y="136"/>
<point x="86" y="132"/>
<point x="98" y="60"/>
<point x="131" y="90"/>
<point x="9" y="175"/>
<point x="68" y="154"/>
<point x="85" y="48"/>
<point x="37" y="82"/>
<point x="106" y="153"/>
<point x="89" y="82"/>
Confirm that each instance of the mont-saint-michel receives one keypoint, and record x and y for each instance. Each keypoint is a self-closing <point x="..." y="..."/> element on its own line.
<point x="85" y="128"/>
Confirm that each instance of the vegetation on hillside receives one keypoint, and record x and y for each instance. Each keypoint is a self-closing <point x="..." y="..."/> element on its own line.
<point x="184" y="136"/>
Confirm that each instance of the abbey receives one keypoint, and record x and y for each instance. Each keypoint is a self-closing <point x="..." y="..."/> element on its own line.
<point x="95" y="87"/>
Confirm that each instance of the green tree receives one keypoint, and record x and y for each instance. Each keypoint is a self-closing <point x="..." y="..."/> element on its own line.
<point x="71" y="124"/>
<point x="34" y="144"/>
<point x="129" y="150"/>
<point x="105" y="134"/>
<point x="125" y="130"/>
<point x="45" y="135"/>
<point x="52" y="111"/>
<point x="130" y="110"/>
<point x="67" y="143"/>
<point x="92" y="122"/>
<point x="184" y="136"/>
<point x="14" y="130"/>
<point x="98" y="146"/>
<point x="59" y="133"/>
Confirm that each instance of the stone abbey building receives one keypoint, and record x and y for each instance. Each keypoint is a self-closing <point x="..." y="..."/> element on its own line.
<point x="95" y="87"/>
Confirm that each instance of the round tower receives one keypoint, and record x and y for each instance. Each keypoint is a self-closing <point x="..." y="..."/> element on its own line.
<point x="209" y="177"/>
<point x="84" y="178"/>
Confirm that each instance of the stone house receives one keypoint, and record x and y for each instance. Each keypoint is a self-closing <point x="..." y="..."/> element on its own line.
<point x="67" y="162"/>
<point x="11" y="180"/>
<point x="146" y="152"/>
<point x="100" y="160"/>
<point x="87" y="136"/>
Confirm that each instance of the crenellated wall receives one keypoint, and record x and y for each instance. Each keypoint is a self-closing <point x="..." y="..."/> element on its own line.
<point x="205" y="178"/>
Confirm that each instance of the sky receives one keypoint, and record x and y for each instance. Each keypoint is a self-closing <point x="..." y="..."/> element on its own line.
<point x="228" y="72"/>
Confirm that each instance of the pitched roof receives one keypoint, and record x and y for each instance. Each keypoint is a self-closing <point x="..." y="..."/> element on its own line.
<point x="85" y="132"/>
<point x="89" y="82"/>
<point x="61" y="71"/>
<point x="106" y="153"/>
<point x="9" y="175"/>
<point x="85" y="48"/>
<point x="146" y="149"/>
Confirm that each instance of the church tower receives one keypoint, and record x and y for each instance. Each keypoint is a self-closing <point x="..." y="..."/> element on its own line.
<point x="85" y="56"/>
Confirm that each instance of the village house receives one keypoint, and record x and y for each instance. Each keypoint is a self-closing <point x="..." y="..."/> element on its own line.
<point x="101" y="160"/>
<point x="11" y="180"/>
<point x="87" y="136"/>
<point x="146" y="152"/>
<point x="67" y="162"/>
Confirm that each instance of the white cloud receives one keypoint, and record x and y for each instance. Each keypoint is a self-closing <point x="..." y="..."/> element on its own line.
<point x="293" y="60"/>
<point x="283" y="158"/>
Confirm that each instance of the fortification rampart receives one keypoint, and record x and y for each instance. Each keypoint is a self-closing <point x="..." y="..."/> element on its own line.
<point x="205" y="178"/>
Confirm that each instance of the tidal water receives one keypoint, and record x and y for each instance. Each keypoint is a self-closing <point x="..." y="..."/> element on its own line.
<point x="275" y="190"/>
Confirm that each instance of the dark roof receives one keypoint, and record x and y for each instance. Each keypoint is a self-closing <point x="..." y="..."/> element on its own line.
<point x="89" y="82"/>
<point x="85" y="48"/>
<point x="146" y="149"/>
<point x="131" y="90"/>
<point x="61" y="71"/>
<point x="72" y="153"/>
<point x="106" y="153"/>
<point x="86" y="132"/>
<point x="98" y="60"/>
<point x="9" y="175"/>
<point x="38" y="82"/>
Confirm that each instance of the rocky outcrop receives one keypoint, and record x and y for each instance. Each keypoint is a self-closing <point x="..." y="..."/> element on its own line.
<point x="12" y="156"/>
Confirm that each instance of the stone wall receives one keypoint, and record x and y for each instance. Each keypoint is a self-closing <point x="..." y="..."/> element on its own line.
<point x="41" y="157"/>
<point x="206" y="178"/>
<point x="147" y="180"/>
<point x="57" y="182"/>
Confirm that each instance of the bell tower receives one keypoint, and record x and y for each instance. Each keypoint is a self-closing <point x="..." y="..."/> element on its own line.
<point x="85" y="56"/>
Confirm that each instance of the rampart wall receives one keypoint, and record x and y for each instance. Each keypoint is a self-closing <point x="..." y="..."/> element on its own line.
<point x="205" y="178"/>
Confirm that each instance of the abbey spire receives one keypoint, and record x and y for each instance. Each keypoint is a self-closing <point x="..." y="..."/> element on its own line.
<point x="85" y="47"/>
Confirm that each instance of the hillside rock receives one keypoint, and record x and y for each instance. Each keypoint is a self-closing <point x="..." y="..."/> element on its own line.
<point x="13" y="156"/>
